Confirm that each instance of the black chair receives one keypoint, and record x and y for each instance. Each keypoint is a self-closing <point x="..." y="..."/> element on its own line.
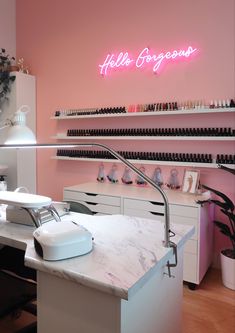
<point x="18" y="289"/>
<point x="77" y="207"/>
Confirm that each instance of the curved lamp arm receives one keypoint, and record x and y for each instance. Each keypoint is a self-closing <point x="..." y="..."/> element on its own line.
<point x="166" y="242"/>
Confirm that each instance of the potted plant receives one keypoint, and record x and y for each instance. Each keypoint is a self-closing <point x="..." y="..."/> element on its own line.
<point x="6" y="66"/>
<point x="227" y="228"/>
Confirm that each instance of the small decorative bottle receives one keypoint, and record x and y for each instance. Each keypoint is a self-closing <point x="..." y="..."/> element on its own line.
<point x="101" y="173"/>
<point x="157" y="177"/>
<point x="139" y="180"/>
<point x="112" y="175"/>
<point x="126" y="178"/>
<point x="173" y="182"/>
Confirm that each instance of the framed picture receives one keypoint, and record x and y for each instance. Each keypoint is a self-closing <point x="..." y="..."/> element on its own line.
<point x="190" y="181"/>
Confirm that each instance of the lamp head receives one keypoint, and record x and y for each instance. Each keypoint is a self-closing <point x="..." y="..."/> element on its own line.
<point x="18" y="132"/>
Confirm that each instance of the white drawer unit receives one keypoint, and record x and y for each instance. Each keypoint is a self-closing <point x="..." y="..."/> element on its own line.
<point x="106" y="198"/>
<point x="142" y="208"/>
<point x="97" y="203"/>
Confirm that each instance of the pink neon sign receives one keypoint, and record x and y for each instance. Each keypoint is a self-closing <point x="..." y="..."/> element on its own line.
<point x="144" y="58"/>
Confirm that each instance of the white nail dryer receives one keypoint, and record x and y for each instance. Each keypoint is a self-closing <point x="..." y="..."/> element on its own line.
<point x="62" y="240"/>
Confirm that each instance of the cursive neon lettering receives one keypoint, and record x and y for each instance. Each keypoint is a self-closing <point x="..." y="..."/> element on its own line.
<point x="189" y="51"/>
<point x="105" y="65"/>
<point x="126" y="60"/>
<point x="168" y="55"/>
<point x="140" y="60"/>
<point x="174" y="54"/>
<point x="119" y="59"/>
<point x="159" y="60"/>
<point x="122" y="59"/>
<point x="143" y="59"/>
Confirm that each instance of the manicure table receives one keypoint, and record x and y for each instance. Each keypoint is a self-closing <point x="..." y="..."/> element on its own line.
<point x="121" y="286"/>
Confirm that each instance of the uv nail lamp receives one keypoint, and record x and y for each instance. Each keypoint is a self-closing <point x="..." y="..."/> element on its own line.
<point x="62" y="240"/>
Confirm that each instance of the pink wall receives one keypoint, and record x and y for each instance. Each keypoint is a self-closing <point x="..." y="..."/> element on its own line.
<point x="8" y="26"/>
<point x="64" y="41"/>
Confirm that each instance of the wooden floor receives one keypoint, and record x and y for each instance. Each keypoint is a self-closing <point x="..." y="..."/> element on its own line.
<point x="208" y="309"/>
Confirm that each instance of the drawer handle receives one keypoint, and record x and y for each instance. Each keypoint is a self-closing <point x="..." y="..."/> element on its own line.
<point x="155" y="213"/>
<point x="157" y="203"/>
<point x="91" y="194"/>
<point x="91" y="203"/>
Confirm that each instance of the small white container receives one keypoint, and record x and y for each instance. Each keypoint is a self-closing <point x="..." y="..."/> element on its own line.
<point x="3" y="183"/>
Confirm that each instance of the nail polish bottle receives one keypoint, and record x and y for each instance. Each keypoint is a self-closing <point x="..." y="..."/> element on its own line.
<point x="212" y="105"/>
<point x="232" y="104"/>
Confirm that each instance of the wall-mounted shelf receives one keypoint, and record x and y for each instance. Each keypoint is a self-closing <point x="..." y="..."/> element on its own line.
<point x="143" y="138"/>
<point x="224" y="135"/>
<point x="166" y="163"/>
<point x="148" y="113"/>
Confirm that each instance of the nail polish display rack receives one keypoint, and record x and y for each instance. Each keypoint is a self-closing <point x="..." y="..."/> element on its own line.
<point x="152" y="108"/>
<point x="226" y="134"/>
<point x="147" y="156"/>
<point x="214" y="132"/>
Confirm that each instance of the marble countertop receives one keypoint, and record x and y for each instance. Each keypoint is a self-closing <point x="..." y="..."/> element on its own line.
<point x="126" y="251"/>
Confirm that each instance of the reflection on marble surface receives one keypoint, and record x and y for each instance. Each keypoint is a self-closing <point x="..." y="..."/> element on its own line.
<point x="126" y="251"/>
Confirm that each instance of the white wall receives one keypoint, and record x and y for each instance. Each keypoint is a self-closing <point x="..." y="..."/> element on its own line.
<point x="8" y="29"/>
<point x="8" y="26"/>
<point x="22" y="92"/>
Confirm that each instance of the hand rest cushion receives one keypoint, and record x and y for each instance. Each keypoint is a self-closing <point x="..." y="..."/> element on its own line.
<point x="25" y="200"/>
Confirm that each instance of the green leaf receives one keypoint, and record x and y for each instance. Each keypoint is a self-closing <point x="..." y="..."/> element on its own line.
<point x="220" y="166"/>
<point x="229" y="214"/>
<point x="221" y="195"/>
<point x="223" y="228"/>
<point x="221" y="204"/>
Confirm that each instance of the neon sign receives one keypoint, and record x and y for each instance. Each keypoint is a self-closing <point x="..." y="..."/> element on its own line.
<point x="144" y="58"/>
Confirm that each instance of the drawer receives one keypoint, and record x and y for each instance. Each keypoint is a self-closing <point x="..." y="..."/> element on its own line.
<point x="190" y="273"/>
<point x="191" y="246"/>
<point x="92" y="197"/>
<point x="184" y="211"/>
<point x="151" y="206"/>
<point x="185" y="221"/>
<point x="144" y="214"/>
<point x="100" y="208"/>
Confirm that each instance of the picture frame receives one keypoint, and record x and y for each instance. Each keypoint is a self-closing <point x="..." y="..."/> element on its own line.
<point x="190" y="181"/>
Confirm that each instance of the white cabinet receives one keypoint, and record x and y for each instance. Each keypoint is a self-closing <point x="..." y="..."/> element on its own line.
<point x="143" y="208"/>
<point x="96" y="202"/>
<point x="108" y="198"/>
<point x="21" y="163"/>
